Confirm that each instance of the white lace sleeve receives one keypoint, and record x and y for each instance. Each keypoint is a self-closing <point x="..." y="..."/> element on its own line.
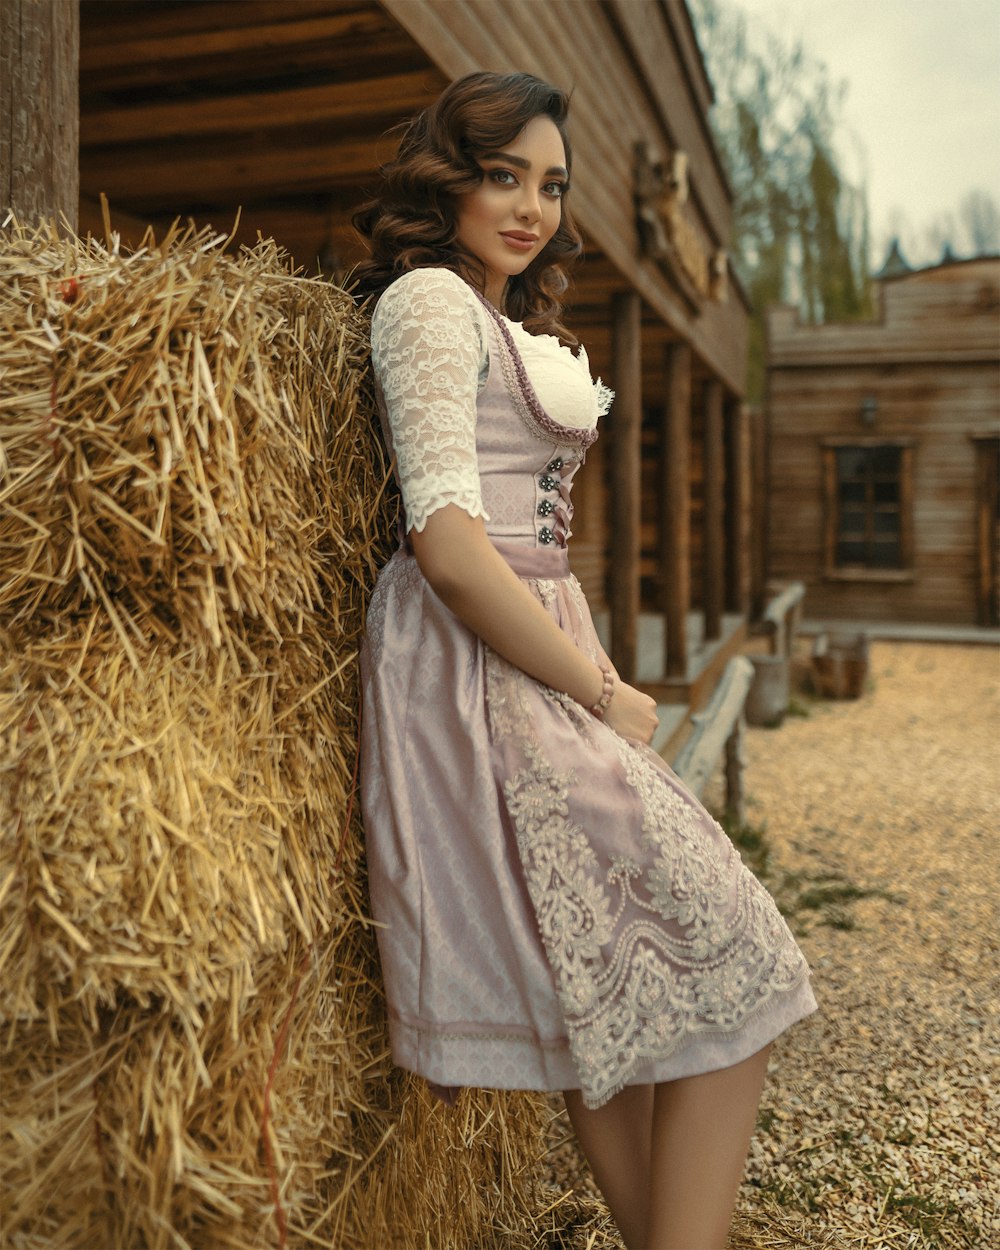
<point x="428" y="342"/>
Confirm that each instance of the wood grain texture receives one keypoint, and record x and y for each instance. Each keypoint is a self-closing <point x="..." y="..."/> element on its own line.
<point x="623" y="514"/>
<point x="39" y="115"/>
<point x="739" y="518"/>
<point x="675" y="553"/>
<point x="714" y="510"/>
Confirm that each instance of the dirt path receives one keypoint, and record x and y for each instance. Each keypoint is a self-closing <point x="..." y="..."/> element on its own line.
<point x="875" y="824"/>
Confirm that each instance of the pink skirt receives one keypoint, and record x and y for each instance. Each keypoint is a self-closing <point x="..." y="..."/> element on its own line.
<point x="556" y="910"/>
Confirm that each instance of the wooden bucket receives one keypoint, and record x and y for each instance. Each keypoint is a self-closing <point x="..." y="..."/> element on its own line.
<point x="840" y="665"/>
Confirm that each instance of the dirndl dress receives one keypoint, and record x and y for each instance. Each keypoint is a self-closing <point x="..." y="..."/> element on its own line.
<point x="555" y="909"/>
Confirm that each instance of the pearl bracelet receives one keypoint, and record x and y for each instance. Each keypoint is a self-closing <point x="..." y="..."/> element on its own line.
<point x="601" y="706"/>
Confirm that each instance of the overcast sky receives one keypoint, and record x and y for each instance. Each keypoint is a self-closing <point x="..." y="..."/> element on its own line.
<point x="923" y="99"/>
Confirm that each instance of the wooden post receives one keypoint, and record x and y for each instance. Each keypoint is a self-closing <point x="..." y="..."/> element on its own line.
<point x="987" y="501"/>
<point x="759" y="510"/>
<point x="39" y="109"/>
<point x="739" y="526"/>
<point x="714" y="561"/>
<point x="675" y="533"/>
<point x="735" y="805"/>
<point x="626" y="493"/>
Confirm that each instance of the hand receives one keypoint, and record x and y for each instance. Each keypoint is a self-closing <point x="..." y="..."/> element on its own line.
<point x="632" y="713"/>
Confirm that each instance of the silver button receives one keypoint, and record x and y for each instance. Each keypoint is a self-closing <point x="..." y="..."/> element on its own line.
<point x="546" y="507"/>
<point x="546" y="482"/>
<point x="555" y="465"/>
<point x="545" y="536"/>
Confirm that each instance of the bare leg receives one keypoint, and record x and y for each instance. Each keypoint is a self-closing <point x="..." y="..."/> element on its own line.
<point x="616" y="1139"/>
<point x="701" y="1132"/>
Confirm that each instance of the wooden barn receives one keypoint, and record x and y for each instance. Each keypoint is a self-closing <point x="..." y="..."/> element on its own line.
<point x="884" y="445"/>
<point x="278" y="110"/>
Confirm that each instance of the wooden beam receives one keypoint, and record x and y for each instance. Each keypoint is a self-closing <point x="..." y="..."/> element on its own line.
<point x="739" y="519"/>
<point x="389" y="98"/>
<point x="715" y="508"/>
<point x="626" y="493"/>
<point x="675" y="521"/>
<point x="120" y="58"/>
<point x="39" y="109"/>
<point x="147" y="181"/>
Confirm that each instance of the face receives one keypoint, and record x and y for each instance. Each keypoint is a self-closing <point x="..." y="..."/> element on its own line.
<point x="516" y="209"/>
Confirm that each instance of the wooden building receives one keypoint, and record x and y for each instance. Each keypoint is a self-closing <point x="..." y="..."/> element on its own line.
<point x="279" y="109"/>
<point x="884" y="449"/>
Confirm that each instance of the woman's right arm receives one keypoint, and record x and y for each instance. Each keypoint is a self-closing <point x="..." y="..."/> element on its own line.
<point x="426" y="346"/>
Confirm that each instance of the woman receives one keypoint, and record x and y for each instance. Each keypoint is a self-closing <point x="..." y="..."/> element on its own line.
<point x="557" y="911"/>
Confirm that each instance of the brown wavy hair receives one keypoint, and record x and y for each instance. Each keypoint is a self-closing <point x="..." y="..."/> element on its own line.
<point x="412" y="222"/>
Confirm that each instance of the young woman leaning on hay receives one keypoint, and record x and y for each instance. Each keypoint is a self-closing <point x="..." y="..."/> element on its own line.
<point x="558" y="911"/>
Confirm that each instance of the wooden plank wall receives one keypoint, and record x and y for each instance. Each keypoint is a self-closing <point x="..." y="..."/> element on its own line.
<point x="935" y="378"/>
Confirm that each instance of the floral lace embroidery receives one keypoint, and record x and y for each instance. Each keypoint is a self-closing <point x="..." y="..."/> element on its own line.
<point x="545" y="588"/>
<point x="644" y="954"/>
<point x="427" y="346"/>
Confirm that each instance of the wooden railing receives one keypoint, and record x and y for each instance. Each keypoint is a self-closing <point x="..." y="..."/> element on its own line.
<point x="719" y="726"/>
<point x="781" y="618"/>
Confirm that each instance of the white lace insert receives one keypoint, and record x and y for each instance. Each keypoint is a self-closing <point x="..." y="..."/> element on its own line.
<point x="428" y="343"/>
<point x="561" y="378"/>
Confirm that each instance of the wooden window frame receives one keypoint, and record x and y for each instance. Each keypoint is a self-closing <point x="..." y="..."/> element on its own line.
<point x="832" y="571"/>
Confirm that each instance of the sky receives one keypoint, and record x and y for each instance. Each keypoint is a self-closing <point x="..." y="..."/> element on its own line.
<point x="922" y="107"/>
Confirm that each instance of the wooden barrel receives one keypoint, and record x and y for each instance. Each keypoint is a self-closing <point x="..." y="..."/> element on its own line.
<point x="840" y="665"/>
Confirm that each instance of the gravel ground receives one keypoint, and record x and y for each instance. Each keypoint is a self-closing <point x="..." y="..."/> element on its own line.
<point x="875" y="824"/>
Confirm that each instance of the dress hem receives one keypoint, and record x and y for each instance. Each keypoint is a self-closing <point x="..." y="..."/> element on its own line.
<point x="489" y="1056"/>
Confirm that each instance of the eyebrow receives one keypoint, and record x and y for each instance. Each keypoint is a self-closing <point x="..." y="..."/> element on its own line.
<point x="520" y="162"/>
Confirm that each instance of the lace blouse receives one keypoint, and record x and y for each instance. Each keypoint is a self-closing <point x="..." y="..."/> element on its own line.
<point x="431" y="360"/>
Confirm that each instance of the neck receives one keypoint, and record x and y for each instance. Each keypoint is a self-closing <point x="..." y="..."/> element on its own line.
<point x="495" y="292"/>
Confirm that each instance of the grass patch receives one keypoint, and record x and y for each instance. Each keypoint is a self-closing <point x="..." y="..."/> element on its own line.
<point x="751" y="842"/>
<point x="822" y="897"/>
<point x="933" y="1220"/>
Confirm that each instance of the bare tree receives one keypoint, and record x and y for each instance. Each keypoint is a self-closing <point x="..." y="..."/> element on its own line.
<point x="980" y="220"/>
<point x="800" y="229"/>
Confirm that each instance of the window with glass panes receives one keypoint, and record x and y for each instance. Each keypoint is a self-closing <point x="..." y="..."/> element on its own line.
<point x="869" y="531"/>
<point x="868" y="504"/>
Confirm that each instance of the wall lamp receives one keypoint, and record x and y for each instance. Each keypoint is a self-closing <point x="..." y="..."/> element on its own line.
<point x="868" y="411"/>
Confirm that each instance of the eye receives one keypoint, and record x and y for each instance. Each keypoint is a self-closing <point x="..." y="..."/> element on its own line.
<point x="556" y="189"/>
<point x="503" y="177"/>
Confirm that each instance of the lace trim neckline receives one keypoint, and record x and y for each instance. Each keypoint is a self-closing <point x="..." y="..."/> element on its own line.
<point x="566" y="434"/>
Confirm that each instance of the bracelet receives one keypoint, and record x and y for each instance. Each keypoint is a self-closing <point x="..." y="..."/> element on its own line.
<point x="602" y="704"/>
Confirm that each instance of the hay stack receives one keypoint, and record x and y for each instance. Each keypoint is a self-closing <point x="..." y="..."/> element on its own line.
<point x="192" y="511"/>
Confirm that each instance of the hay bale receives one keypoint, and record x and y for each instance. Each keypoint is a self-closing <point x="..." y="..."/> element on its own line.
<point x="163" y="422"/>
<point x="193" y="509"/>
<point x="162" y="819"/>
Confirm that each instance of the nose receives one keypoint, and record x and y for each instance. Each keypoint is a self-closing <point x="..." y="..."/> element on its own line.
<point x="529" y="206"/>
